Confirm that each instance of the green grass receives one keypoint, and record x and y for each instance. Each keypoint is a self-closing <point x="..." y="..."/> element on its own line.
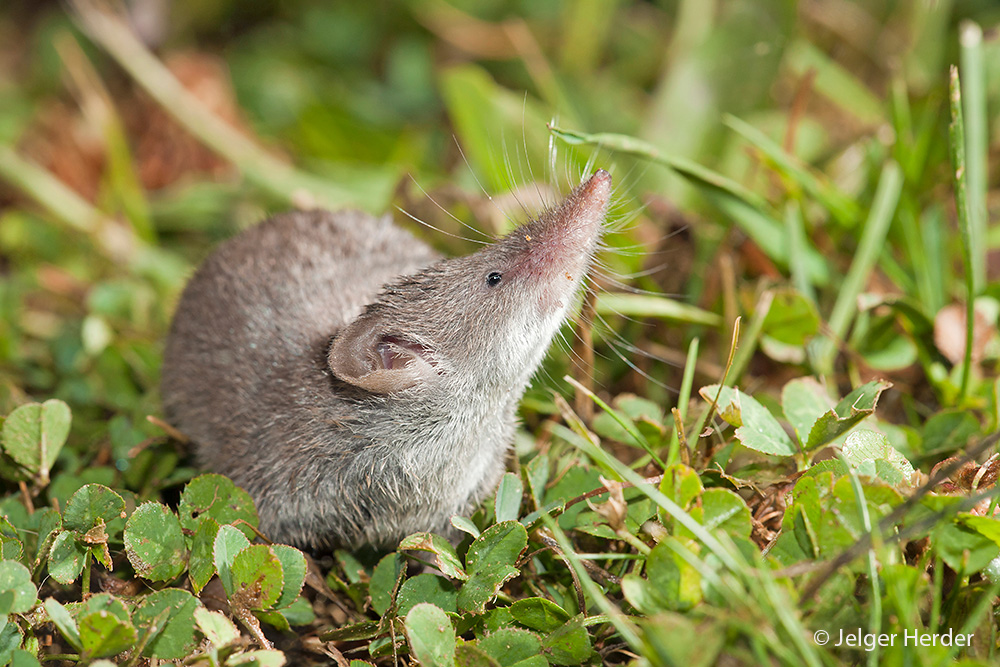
<point x="790" y="427"/>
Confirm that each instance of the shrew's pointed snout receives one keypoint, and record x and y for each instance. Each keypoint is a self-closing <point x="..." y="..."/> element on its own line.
<point x="587" y="205"/>
<point x="563" y="239"/>
<point x="599" y="185"/>
<point x="591" y="197"/>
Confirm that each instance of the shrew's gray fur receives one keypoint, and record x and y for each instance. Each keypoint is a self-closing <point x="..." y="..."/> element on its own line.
<point x="359" y="387"/>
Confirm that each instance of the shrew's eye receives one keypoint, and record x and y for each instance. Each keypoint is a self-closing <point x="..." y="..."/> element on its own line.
<point x="494" y="278"/>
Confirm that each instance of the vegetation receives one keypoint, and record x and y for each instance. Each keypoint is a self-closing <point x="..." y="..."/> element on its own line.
<point x="777" y="416"/>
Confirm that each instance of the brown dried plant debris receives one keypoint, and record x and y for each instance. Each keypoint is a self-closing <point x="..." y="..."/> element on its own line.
<point x="768" y="509"/>
<point x="969" y="478"/>
<point x="63" y="141"/>
<point x="164" y="151"/>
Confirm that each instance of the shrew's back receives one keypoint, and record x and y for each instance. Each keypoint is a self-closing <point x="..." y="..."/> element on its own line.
<point x="245" y="357"/>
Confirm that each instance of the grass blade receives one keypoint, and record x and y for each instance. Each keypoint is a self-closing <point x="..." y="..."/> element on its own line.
<point x="622" y="420"/>
<point x="976" y="147"/>
<point x="622" y="624"/>
<point x="257" y="165"/>
<point x="670" y="507"/>
<point x="646" y="305"/>
<point x="872" y="237"/>
<point x="683" y="398"/>
<point x="842" y="208"/>
<point x="96" y="103"/>
<point x="749" y="210"/>
<point x="875" y="620"/>
<point x="956" y="138"/>
<point x="65" y="205"/>
<point x="795" y="228"/>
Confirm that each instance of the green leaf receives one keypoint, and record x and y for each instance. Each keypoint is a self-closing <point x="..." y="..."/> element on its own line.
<point x="63" y="620"/>
<point x="854" y="407"/>
<point x="533" y="661"/>
<point x="104" y="603"/>
<point x="576" y="481"/>
<point x="680" y="484"/>
<point x="6" y="602"/>
<point x="104" y="634"/>
<point x="721" y="509"/>
<point x="354" y="570"/>
<point x="91" y="504"/>
<point x="671" y="583"/>
<point x="228" y="542"/>
<point x="21" y="658"/>
<point x="385" y="577"/>
<point x="792" y="318"/>
<point x="16" y="580"/>
<point x="539" y="614"/>
<point x="175" y="639"/>
<point x="496" y="618"/>
<point x="880" y="344"/>
<point x="468" y="654"/>
<point x="218" y="629"/>
<point x="426" y="587"/>
<point x="34" y="433"/>
<point x="757" y="428"/>
<point x="201" y="562"/>
<point x="257" y="577"/>
<point x="300" y="612"/>
<point x="511" y="645"/>
<point x="639" y="409"/>
<point x="804" y="400"/>
<point x="43" y="528"/>
<point x="293" y="569"/>
<point x="538" y="476"/>
<point x="639" y="593"/>
<point x="65" y="484"/>
<point x="568" y="644"/>
<point x="431" y="636"/>
<point x="507" y="504"/>
<point x="215" y="497"/>
<point x="662" y="648"/>
<point x="986" y="526"/>
<point x="949" y="430"/>
<point x="872" y="455"/>
<point x="465" y="525"/>
<point x="274" y="619"/>
<point x="154" y="543"/>
<point x="823" y="516"/>
<point x="500" y="544"/>
<point x="352" y="633"/>
<point x="258" y="658"/>
<point x="66" y="557"/>
<point x="638" y="511"/>
<point x="10" y="541"/>
<point x="490" y="562"/>
<point x="966" y="550"/>
<point x="11" y="639"/>
<point x="483" y="586"/>
<point x="445" y="558"/>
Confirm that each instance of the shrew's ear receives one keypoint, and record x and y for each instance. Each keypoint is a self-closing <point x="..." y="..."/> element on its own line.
<point x="367" y="356"/>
